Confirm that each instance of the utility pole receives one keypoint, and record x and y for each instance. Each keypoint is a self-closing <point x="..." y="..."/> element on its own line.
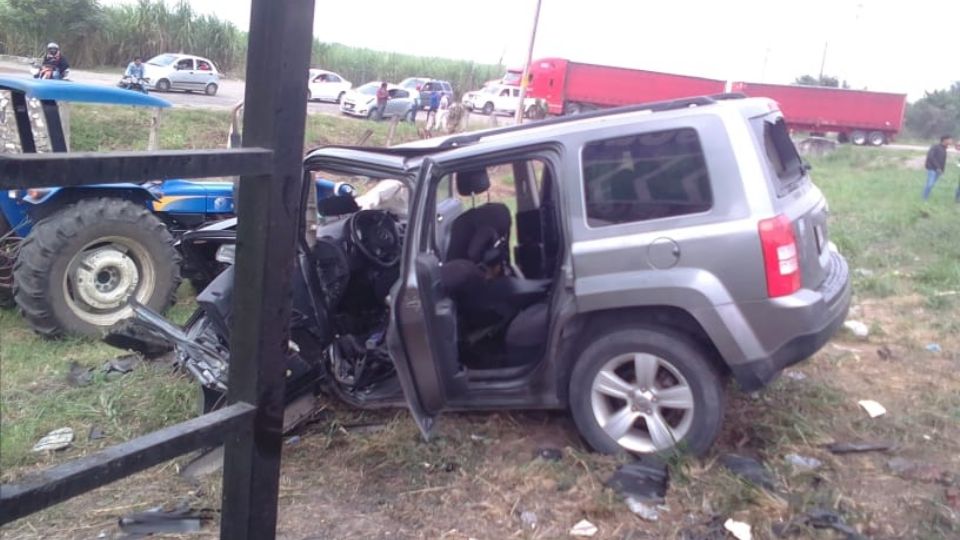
<point x="823" y="62"/>
<point x="526" y="67"/>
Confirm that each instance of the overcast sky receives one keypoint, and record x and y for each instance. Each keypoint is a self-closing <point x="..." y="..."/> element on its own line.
<point x="888" y="45"/>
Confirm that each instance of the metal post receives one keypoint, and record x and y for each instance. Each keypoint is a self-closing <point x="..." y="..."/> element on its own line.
<point x="526" y="67"/>
<point x="280" y="37"/>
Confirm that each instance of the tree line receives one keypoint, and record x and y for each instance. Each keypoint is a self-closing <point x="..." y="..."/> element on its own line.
<point x="94" y="35"/>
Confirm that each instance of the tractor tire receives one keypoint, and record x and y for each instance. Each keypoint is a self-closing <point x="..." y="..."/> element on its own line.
<point x="8" y="255"/>
<point x="78" y="268"/>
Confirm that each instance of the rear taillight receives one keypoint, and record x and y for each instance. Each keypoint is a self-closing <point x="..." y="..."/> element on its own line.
<point x="780" y="257"/>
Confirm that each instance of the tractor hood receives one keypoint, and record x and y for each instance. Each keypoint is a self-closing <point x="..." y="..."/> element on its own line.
<point x="52" y="90"/>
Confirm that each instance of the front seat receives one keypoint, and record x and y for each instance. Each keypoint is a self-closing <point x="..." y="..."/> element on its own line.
<point x="476" y="232"/>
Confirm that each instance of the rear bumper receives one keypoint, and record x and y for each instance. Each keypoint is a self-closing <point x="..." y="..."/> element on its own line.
<point x="821" y="315"/>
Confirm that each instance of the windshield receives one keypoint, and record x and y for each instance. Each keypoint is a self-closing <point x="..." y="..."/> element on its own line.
<point x="512" y="77"/>
<point x="411" y="82"/>
<point x="162" y="60"/>
<point x="369" y="89"/>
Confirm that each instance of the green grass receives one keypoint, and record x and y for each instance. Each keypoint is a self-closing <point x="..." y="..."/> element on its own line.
<point x="36" y="398"/>
<point x="882" y="226"/>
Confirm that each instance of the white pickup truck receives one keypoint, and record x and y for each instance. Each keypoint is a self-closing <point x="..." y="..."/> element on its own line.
<point x="501" y="98"/>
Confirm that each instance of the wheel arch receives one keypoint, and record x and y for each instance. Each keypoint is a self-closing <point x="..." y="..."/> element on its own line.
<point x="576" y="334"/>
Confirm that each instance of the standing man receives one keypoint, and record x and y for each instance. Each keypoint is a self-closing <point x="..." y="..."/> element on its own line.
<point x="434" y="106"/>
<point x="444" y="112"/>
<point x="383" y="96"/>
<point x="936" y="163"/>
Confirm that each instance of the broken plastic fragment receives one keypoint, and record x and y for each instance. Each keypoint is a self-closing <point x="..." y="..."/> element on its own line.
<point x="851" y="448"/>
<point x="749" y="469"/>
<point x="57" y="439"/>
<point x="645" y="511"/>
<point x="644" y="479"/>
<point x="857" y="328"/>
<point x="803" y="463"/>
<point x="935" y="348"/>
<point x="739" y="529"/>
<point x="584" y="529"/>
<point x="873" y="408"/>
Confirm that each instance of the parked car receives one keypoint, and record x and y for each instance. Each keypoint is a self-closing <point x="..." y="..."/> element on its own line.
<point x="432" y="87"/>
<point x="362" y="102"/>
<point x="500" y="98"/>
<point x="182" y="72"/>
<point x="413" y="83"/>
<point x="659" y="250"/>
<point x="327" y="86"/>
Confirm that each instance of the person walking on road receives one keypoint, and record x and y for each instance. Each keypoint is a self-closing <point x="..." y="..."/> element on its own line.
<point x="936" y="163"/>
<point x="434" y="106"/>
<point x="383" y="96"/>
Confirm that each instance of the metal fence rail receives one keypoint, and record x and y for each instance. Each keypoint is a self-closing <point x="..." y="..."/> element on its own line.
<point x="271" y="171"/>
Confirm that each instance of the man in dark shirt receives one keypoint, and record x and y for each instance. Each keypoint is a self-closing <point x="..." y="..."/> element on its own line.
<point x="936" y="163"/>
<point x="383" y="96"/>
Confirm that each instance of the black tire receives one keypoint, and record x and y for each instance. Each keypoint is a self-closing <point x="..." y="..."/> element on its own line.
<point x="678" y="350"/>
<point x="535" y="112"/>
<point x="340" y="97"/>
<point x="487" y="108"/>
<point x="843" y="138"/>
<point x="211" y="89"/>
<point x="8" y="254"/>
<point x="876" y="138"/>
<point x="163" y="85"/>
<point x="51" y="303"/>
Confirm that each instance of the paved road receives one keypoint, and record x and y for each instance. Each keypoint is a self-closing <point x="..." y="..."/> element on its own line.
<point x="230" y="93"/>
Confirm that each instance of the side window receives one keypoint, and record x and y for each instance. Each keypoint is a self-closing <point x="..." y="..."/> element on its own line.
<point x="781" y="152"/>
<point x="447" y="87"/>
<point x="398" y="93"/>
<point x="333" y="78"/>
<point x="643" y="177"/>
<point x="505" y="93"/>
<point x="203" y="66"/>
<point x="185" y="64"/>
<point x="515" y="92"/>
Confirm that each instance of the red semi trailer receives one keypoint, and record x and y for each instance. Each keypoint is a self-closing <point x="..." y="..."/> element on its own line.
<point x="571" y="87"/>
<point x="857" y="116"/>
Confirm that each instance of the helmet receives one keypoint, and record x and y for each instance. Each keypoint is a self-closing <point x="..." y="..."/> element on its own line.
<point x="53" y="45"/>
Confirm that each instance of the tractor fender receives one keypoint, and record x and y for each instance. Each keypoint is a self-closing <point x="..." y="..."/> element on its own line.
<point x="51" y="201"/>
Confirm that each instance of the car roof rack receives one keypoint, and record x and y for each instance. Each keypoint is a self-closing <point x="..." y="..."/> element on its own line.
<point x="654" y="106"/>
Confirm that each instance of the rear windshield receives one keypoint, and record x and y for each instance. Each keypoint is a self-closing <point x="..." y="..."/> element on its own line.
<point x="781" y="153"/>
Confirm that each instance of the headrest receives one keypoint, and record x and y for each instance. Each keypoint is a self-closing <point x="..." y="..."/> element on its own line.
<point x="472" y="182"/>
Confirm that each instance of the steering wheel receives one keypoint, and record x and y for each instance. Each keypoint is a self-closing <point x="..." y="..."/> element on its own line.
<point x="375" y="234"/>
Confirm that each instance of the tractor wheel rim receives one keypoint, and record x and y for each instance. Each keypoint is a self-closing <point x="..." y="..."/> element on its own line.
<point x="103" y="276"/>
<point x="642" y="402"/>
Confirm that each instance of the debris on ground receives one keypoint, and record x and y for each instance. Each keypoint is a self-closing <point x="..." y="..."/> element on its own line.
<point x="134" y="335"/>
<point x="857" y="328"/>
<point x="934" y="348"/>
<point x="549" y="454"/>
<point x="298" y="413"/>
<point x="95" y="434"/>
<point x="819" y="518"/>
<point x="645" y="479"/>
<point x="122" y="364"/>
<point x="365" y="429"/>
<point x="863" y="272"/>
<point x="711" y="529"/>
<point x="292" y="440"/>
<point x="803" y="463"/>
<point x="749" y="469"/>
<point x="739" y="529"/>
<point x="916" y="470"/>
<point x="886" y="353"/>
<point x="794" y="375"/>
<point x="857" y="447"/>
<point x="584" y="529"/>
<point x="873" y="408"/>
<point x="57" y="439"/>
<point x="79" y="375"/>
<point x="645" y="511"/>
<point x="207" y="462"/>
<point x="159" y="521"/>
<point x="528" y="519"/>
<point x="480" y="438"/>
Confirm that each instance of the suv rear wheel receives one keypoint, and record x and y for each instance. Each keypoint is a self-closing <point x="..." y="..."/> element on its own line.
<point x="646" y="390"/>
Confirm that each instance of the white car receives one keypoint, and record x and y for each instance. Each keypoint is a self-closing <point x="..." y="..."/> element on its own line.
<point x="327" y="86"/>
<point x="497" y="98"/>
<point x="362" y="101"/>
<point x="182" y="72"/>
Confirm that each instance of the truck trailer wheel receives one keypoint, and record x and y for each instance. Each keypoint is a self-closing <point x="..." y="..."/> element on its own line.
<point x="78" y="267"/>
<point x="877" y="138"/>
<point x="858" y="138"/>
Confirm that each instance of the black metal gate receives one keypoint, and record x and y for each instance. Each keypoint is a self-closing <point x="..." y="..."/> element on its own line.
<point x="270" y="167"/>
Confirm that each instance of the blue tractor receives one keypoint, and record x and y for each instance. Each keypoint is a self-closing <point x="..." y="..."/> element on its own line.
<point x="72" y="257"/>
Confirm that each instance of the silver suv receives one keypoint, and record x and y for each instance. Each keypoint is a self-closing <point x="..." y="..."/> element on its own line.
<point x="621" y="264"/>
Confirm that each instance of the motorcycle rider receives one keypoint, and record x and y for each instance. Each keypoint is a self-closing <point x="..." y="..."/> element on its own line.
<point x="135" y="69"/>
<point x="54" y="64"/>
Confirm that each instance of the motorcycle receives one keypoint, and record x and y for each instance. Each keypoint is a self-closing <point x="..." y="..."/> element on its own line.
<point x="134" y="83"/>
<point x="46" y="71"/>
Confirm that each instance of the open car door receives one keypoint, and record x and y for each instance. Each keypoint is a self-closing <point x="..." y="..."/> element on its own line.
<point x="423" y="326"/>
